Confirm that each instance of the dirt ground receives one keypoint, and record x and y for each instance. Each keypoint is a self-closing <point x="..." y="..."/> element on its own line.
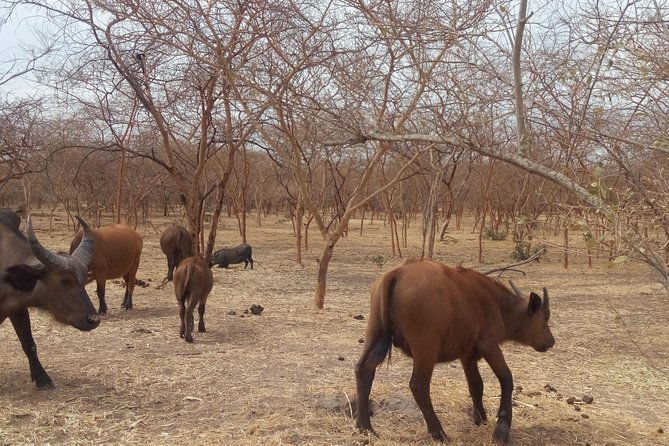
<point x="286" y="377"/>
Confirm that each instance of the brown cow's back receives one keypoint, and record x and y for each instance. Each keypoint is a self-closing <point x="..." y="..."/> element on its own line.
<point x="177" y="244"/>
<point x="194" y="276"/>
<point x="193" y="282"/>
<point x="459" y="306"/>
<point x="435" y="313"/>
<point x="118" y="248"/>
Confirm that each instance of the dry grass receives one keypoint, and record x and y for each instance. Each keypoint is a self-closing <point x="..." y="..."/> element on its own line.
<point x="286" y="377"/>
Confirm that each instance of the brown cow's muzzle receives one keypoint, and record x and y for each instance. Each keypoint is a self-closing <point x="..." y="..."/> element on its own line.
<point x="89" y="323"/>
<point x="549" y="344"/>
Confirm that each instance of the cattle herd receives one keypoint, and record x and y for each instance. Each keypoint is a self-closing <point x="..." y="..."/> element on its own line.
<point x="431" y="312"/>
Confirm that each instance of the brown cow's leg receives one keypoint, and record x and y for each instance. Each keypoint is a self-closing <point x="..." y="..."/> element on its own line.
<point x="100" y="291"/>
<point x="420" y="387"/>
<point x="496" y="360"/>
<point x="475" y="384"/>
<point x="377" y="347"/>
<point x="124" y="304"/>
<point x="200" y="324"/>
<point x="170" y="267"/>
<point x="364" y="376"/>
<point x="21" y="322"/>
<point x="189" y="319"/>
<point x="129" y="288"/>
<point x="182" y="316"/>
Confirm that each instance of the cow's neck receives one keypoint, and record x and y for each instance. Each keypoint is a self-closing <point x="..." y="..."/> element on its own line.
<point x="514" y="311"/>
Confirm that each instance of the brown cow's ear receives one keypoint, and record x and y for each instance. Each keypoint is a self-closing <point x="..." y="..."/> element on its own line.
<point x="535" y="303"/>
<point x="22" y="277"/>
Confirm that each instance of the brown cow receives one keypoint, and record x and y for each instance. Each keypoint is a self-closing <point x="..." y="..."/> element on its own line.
<point x="177" y="244"/>
<point x="117" y="251"/>
<point x="33" y="276"/>
<point x="193" y="282"/>
<point x="434" y="313"/>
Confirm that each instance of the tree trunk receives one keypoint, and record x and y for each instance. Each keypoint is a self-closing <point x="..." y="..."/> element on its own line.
<point x="430" y="215"/>
<point x="362" y="219"/>
<point x="523" y="134"/>
<point x="299" y="217"/>
<point x="306" y="231"/>
<point x="485" y="207"/>
<point x="242" y="224"/>
<point x="121" y="177"/>
<point x="565" y="262"/>
<point x="323" y="265"/>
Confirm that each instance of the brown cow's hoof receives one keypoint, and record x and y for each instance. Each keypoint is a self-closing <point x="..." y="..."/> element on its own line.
<point x="45" y="384"/>
<point x="480" y="421"/>
<point x="368" y="431"/>
<point x="479" y="418"/>
<point x="501" y="434"/>
<point x="439" y="436"/>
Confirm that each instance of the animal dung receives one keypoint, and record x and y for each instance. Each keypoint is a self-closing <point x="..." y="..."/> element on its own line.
<point x="256" y="309"/>
<point x="549" y="388"/>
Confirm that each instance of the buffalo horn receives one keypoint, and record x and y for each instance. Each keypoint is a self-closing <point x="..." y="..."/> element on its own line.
<point x="546" y="307"/>
<point x="515" y="288"/>
<point x="84" y="251"/>
<point x="45" y="256"/>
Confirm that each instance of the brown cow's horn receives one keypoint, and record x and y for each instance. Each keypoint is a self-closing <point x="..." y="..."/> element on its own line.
<point x="84" y="251"/>
<point x="515" y="288"/>
<point x="45" y="256"/>
<point x="546" y="307"/>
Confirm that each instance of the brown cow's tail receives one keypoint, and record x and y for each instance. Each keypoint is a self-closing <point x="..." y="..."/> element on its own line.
<point x="383" y="336"/>
<point x="184" y="292"/>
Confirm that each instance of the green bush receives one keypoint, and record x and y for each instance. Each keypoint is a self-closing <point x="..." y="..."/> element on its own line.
<point x="378" y="260"/>
<point x="524" y="250"/>
<point x="491" y="234"/>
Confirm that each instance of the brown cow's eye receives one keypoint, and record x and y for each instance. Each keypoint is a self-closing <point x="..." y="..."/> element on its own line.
<point x="66" y="282"/>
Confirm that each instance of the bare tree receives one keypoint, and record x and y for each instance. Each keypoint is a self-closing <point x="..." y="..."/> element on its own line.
<point x="172" y="65"/>
<point x="20" y="154"/>
<point x="335" y="90"/>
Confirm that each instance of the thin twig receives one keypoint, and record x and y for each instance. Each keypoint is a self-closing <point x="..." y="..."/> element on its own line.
<point x="162" y="284"/>
<point x="350" y="406"/>
<point x="505" y="268"/>
<point x="631" y="338"/>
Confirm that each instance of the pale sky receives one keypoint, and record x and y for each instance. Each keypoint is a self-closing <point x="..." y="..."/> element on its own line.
<point x="15" y="35"/>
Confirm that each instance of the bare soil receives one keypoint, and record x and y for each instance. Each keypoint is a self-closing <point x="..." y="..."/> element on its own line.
<point x="285" y="376"/>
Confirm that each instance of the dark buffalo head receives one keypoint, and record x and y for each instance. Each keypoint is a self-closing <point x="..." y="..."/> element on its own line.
<point x="58" y="285"/>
